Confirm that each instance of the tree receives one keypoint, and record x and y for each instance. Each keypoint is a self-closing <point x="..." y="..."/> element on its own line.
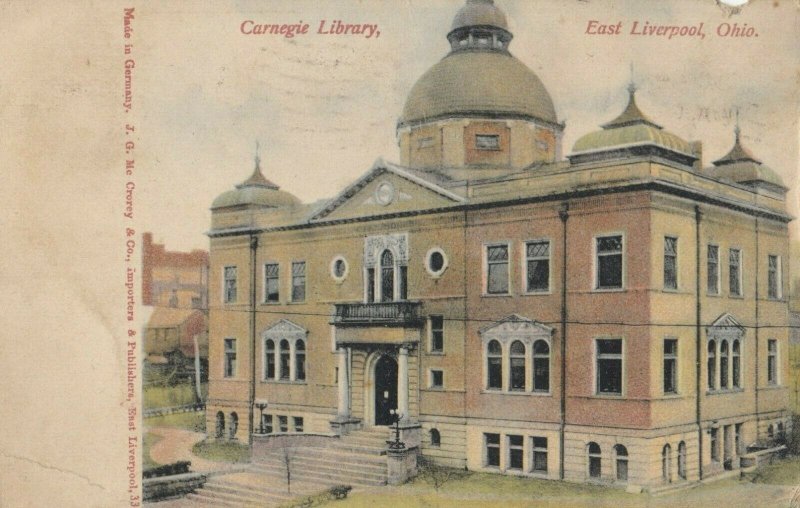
<point x="287" y="454"/>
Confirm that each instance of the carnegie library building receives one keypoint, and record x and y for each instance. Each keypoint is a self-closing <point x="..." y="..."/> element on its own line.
<point x="614" y="311"/>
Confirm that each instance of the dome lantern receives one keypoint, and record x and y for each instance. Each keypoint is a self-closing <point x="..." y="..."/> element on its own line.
<point x="479" y="25"/>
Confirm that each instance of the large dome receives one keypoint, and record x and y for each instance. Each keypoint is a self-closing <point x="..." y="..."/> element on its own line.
<point x="478" y="83"/>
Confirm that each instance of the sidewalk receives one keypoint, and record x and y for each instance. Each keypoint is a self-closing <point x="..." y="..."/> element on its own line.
<point x="176" y="444"/>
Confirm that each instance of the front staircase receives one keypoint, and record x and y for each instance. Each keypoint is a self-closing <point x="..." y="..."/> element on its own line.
<point x="357" y="459"/>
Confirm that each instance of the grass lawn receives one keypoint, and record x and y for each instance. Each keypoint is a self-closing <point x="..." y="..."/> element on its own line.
<point x="773" y="487"/>
<point x="149" y="440"/>
<point x="169" y="396"/>
<point x="785" y="472"/>
<point x="222" y="451"/>
<point x="194" y="420"/>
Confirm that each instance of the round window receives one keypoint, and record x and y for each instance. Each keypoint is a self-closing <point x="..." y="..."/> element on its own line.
<point x="436" y="262"/>
<point x="339" y="268"/>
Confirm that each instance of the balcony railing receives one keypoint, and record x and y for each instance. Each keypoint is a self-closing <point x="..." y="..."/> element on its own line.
<point x="384" y="313"/>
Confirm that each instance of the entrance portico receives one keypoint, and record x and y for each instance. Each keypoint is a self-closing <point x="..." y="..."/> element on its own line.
<point x="377" y="363"/>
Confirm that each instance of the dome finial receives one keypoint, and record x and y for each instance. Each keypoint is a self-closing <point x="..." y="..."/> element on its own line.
<point x="632" y="83"/>
<point x="736" y="130"/>
<point x="257" y="157"/>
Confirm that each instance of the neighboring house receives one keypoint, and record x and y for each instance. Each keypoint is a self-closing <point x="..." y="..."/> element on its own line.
<point x="173" y="279"/>
<point x="174" y="337"/>
<point x="618" y="315"/>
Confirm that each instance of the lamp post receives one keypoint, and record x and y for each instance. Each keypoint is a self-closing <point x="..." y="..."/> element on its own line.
<point x="396" y="444"/>
<point x="261" y="407"/>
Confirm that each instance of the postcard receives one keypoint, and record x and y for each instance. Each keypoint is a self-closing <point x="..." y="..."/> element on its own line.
<point x="460" y="252"/>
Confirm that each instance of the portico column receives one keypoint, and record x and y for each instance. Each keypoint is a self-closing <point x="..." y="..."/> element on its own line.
<point x="402" y="383"/>
<point x="344" y="387"/>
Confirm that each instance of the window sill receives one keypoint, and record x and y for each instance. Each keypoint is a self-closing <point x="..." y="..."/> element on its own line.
<point x="516" y="393"/>
<point x="300" y="302"/>
<point x="714" y="295"/>
<point x="607" y="396"/>
<point x="496" y="295"/>
<point x="674" y="291"/>
<point x="736" y="297"/>
<point x="772" y="387"/>
<point x="608" y="290"/>
<point x="436" y="388"/>
<point x="537" y="293"/>
<point x="672" y="396"/>
<point x="436" y="353"/>
<point x="724" y="391"/>
<point x="283" y="382"/>
<point x="271" y="303"/>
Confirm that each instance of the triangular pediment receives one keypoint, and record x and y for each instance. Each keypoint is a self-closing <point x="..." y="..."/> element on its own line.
<point x="284" y="328"/>
<point x="518" y="326"/>
<point x="386" y="189"/>
<point x="726" y="322"/>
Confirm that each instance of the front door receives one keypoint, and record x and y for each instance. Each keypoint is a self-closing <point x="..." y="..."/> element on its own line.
<point x="385" y="390"/>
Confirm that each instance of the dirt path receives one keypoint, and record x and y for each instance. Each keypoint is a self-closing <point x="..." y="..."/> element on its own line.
<point x="176" y="444"/>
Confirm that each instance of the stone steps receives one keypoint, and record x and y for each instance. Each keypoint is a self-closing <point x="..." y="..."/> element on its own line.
<point x="357" y="459"/>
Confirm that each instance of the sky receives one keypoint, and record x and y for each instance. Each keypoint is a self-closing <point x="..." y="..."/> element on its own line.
<point x="324" y="107"/>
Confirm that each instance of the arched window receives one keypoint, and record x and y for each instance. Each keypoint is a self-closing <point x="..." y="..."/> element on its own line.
<point x="436" y="438"/>
<point x="387" y="276"/>
<point x="666" y="464"/>
<point x="285" y="358"/>
<point x="220" y="425"/>
<point x="300" y="360"/>
<point x="269" y="358"/>
<point x="682" y="460"/>
<point x="712" y="365"/>
<point x="736" y="366"/>
<point x="621" y="454"/>
<point x="234" y="425"/>
<point x="494" y="365"/>
<point x="723" y="364"/>
<point x="781" y="432"/>
<point x="517" y="365"/>
<point x="595" y="462"/>
<point x="541" y="366"/>
<point x="770" y="431"/>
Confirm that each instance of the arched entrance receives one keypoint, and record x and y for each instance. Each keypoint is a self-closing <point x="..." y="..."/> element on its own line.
<point x="385" y="389"/>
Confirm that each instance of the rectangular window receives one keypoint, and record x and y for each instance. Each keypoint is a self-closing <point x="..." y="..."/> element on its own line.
<point x="713" y="269"/>
<point x="670" y="262"/>
<point x="609" y="366"/>
<point x="299" y="281"/>
<point x="403" y="282"/>
<point x="715" y="444"/>
<point x="497" y="269"/>
<point x="774" y="277"/>
<point x="487" y="142"/>
<point x="437" y="379"/>
<point x="229" y="284"/>
<point x="537" y="255"/>
<point x="738" y="439"/>
<point x="609" y="262"/>
<point x="492" y="449"/>
<point x="772" y="361"/>
<point x="283" y="422"/>
<point x="298" y="423"/>
<point x="230" y="357"/>
<point x="735" y="272"/>
<point x="266" y="424"/>
<point x="271" y="283"/>
<point x="515" y="452"/>
<point x="437" y="334"/>
<point x="670" y="366"/>
<point x="539" y="463"/>
<point x="370" y="285"/>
